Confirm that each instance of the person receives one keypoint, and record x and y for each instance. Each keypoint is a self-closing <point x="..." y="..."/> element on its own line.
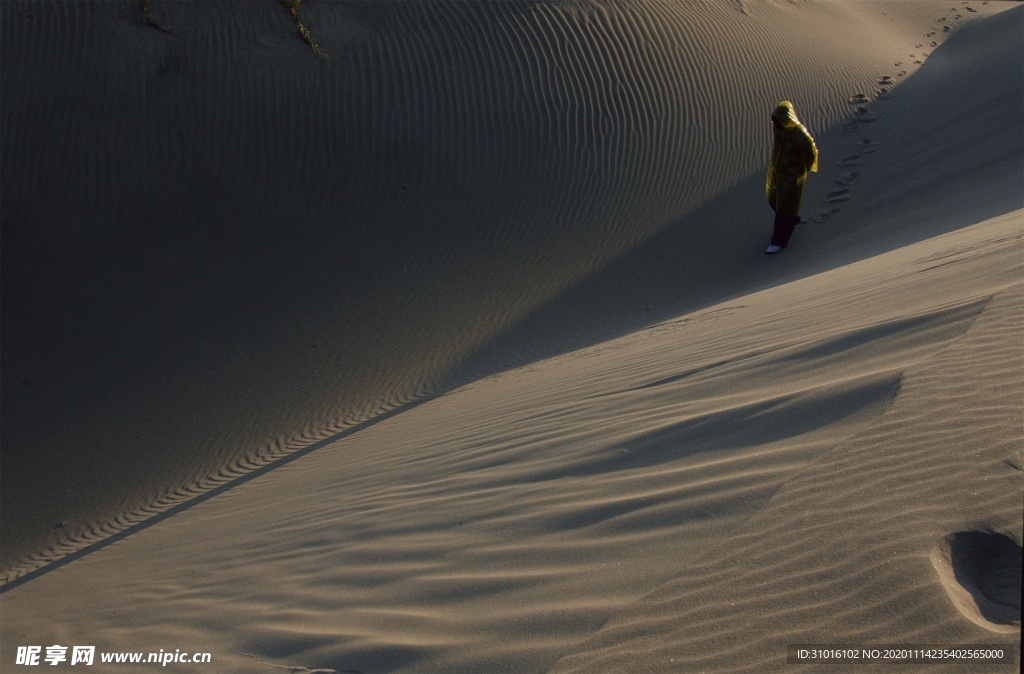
<point x="793" y="155"/>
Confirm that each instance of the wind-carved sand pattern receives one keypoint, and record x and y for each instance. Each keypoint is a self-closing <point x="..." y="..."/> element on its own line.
<point x="71" y="546"/>
<point x="695" y="617"/>
<point x="590" y="107"/>
<point x="765" y="460"/>
<point x="598" y="105"/>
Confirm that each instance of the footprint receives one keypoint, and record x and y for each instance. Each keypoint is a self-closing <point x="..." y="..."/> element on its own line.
<point x="852" y="160"/>
<point x="864" y="115"/>
<point x="825" y="216"/>
<point x="837" y="196"/>
<point x="859" y="99"/>
<point x="849" y="125"/>
<point x="980" y="571"/>
<point x="886" y="80"/>
<point x="847" y="179"/>
<point x="867" y="146"/>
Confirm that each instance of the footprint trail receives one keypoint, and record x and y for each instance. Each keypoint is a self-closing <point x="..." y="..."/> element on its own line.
<point x="865" y="113"/>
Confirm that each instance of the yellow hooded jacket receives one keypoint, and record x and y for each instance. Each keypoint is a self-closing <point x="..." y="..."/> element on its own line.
<point x="793" y="155"/>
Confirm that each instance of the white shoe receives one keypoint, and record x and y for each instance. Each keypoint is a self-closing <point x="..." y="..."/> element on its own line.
<point x="773" y="249"/>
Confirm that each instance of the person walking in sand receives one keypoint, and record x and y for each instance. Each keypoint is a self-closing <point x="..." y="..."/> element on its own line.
<point x="793" y="155"/>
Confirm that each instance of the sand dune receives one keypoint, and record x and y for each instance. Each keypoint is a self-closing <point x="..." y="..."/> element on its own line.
<point x="685" y="492"/>
<point x="458" y="351"/>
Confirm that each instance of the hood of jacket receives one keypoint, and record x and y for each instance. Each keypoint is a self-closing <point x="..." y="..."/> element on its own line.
<point x="789" y="125"/>
<point x="785" y="114"/>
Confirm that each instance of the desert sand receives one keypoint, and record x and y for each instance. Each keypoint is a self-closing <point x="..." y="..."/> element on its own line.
<point x="445" y="339"/>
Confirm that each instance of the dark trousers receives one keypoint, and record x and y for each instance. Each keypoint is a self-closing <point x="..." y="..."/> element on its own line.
<point x="784" y="196"/>
<point x="783" y="229"/>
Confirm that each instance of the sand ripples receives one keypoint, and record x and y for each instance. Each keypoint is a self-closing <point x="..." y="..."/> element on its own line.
<point x="789" y="570"/>
<point x="366" y="224"/>
<point x="308" y="243"/>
